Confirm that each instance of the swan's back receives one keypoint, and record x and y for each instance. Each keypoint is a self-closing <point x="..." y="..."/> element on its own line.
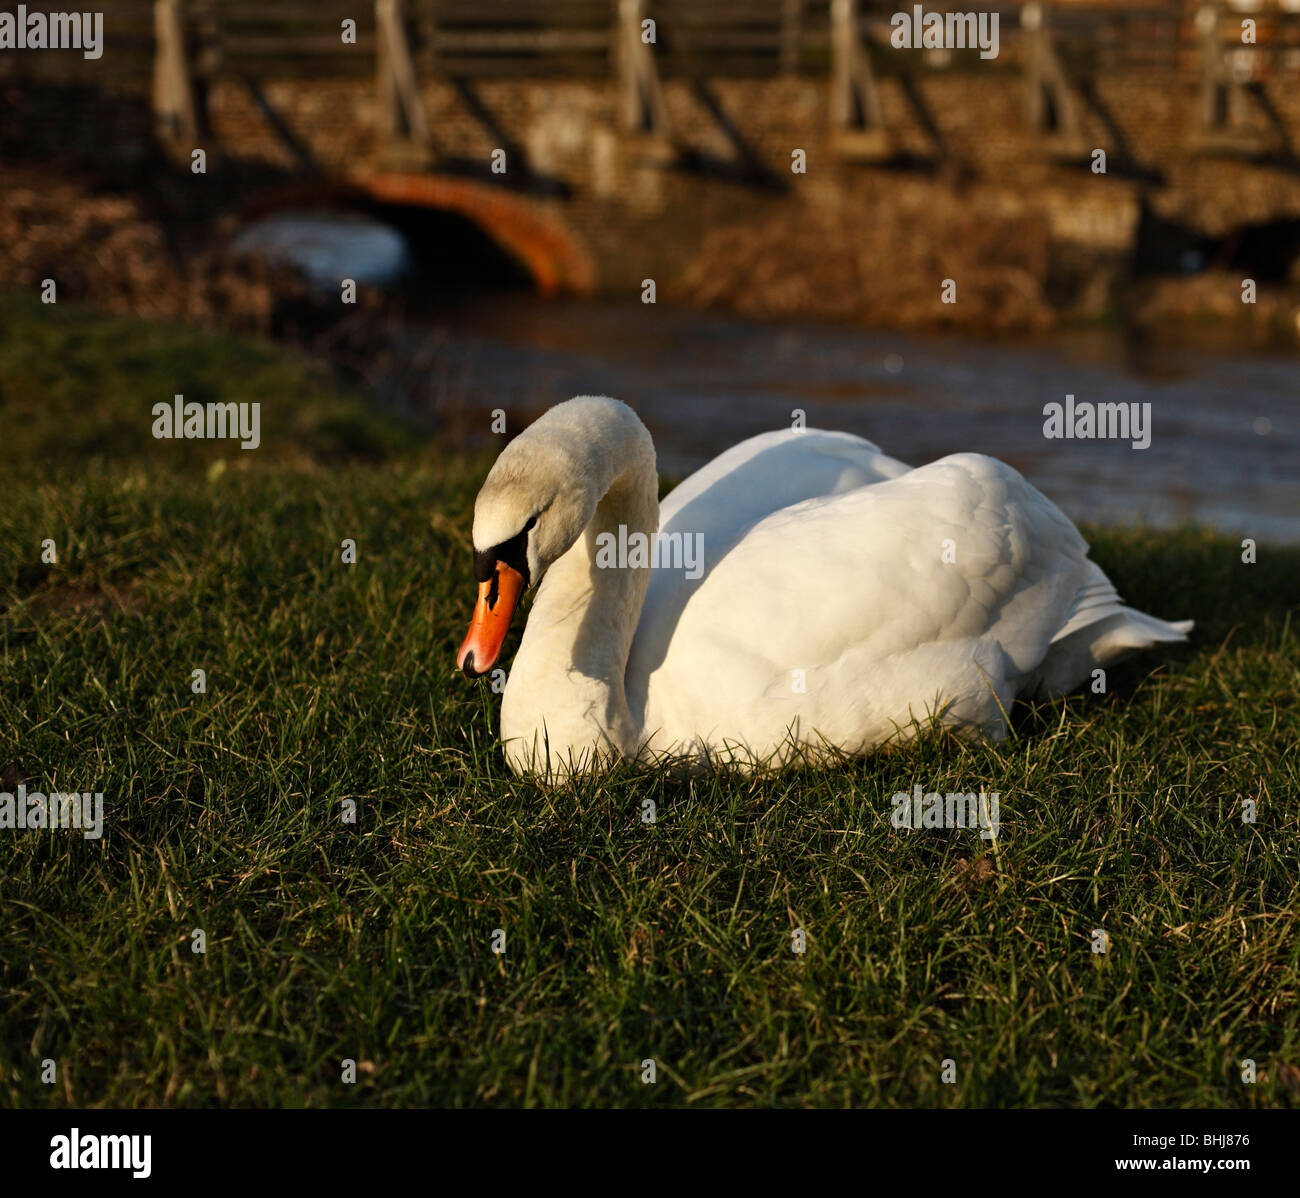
<point x="767" y="473"/>
<point x="844" y="593"/>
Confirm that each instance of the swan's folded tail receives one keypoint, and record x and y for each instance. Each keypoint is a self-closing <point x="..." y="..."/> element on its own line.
<point x="1099" y="631"/>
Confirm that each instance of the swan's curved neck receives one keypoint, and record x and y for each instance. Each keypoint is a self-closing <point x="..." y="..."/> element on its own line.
<point x="565" y="699"/>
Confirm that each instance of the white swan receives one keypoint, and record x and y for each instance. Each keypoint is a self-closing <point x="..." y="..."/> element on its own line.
<point x="843" y="596"/>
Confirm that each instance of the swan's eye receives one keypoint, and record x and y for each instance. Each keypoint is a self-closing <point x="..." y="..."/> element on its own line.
<point x="513" y="552"/>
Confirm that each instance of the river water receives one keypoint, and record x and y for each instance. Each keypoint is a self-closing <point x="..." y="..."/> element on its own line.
<point x="1224" y="420"/>
<point x="1224" y="429"/>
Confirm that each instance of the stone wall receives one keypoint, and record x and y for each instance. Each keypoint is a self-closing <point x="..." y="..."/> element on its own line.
<point x="992" y="205"/>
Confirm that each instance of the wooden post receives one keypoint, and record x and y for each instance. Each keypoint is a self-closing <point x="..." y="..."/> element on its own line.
<point x="175" y="110"/>
<point x="791" y="35"/>
<point x="1214" y="97"/>
<point x="641" y="100"/>
<point x="1048" y="88"/>
<point x="428" y="38"/>
<point x="401" y="108"/>
<point x="209" y="54"/>
<point x="855" y="99"/>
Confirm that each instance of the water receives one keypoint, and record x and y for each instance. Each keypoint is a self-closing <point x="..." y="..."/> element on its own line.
<point x="1224" y="429"/>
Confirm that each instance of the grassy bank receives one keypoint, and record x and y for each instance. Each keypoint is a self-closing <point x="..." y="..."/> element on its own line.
<point x="624" y="941"/>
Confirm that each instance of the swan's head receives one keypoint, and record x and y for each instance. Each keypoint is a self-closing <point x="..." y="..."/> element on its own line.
<point x="539" y="496"/>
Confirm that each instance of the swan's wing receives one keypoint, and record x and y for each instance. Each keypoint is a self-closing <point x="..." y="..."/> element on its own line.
<point x="964" y="547"/>
<point x="944" y="583"/>
<point x="769" y="472"/>
<point x="961" y="546"/>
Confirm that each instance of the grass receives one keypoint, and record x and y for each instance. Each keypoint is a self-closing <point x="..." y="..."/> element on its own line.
<point x="624" y="941"/>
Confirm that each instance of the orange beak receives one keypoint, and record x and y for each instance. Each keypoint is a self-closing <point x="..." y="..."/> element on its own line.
<point x="497" y="600"/>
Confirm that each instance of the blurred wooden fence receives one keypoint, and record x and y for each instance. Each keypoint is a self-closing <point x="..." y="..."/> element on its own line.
<point x="180" y="43"/>
<point x="540" y="38"/>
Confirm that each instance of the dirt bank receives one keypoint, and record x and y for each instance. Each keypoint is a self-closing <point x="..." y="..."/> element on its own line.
<point x="145" y="250"/>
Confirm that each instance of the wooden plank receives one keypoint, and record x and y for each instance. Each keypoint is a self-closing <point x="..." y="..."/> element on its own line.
<point x="332" y="12"/>
<point x="323" y="45"/>
<point x="559" y="41"/>
<point x="239" y="45"/>
<point x="725" y="39"/>
<point x="487" y="69"/>
<point x="480" y="16"/>
<point x="719" y="12"/>
<point x="491" y="12"/>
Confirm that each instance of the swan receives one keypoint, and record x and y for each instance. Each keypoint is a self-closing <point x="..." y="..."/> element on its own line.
<point x="841" y="597"/>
